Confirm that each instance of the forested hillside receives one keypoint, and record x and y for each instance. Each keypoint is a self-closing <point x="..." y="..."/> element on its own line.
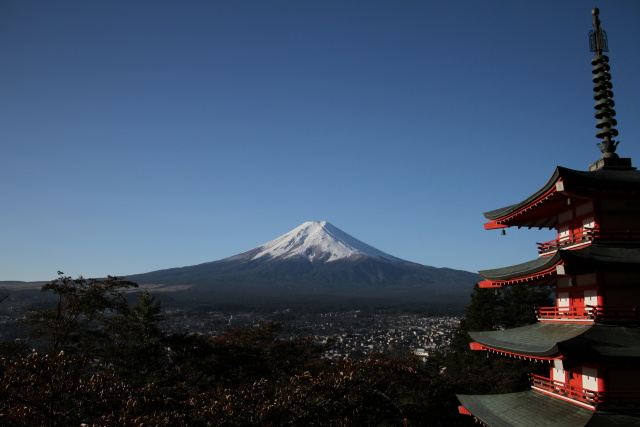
<point x="102" y="361"/>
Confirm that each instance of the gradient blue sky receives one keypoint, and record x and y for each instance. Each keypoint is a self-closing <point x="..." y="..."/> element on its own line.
<point x="142" y="135"/>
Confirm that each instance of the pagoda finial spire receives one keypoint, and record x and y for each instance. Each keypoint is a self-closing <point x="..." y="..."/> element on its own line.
<point x="602" y="88"/>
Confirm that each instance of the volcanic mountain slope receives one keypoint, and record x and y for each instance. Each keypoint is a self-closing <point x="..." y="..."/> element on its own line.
<point x="315" y="260"/>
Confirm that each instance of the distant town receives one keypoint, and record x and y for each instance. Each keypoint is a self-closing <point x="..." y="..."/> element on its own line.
<point x="346" y="333"/>
<point x="350" y="334"/>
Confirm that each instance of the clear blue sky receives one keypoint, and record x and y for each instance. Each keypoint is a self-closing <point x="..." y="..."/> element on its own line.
<point x="142" y="135"/>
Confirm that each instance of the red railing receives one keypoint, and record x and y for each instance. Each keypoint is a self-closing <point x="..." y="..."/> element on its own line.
<point x="589" y="312"/>
<point x="572" y="313"/>
<point x="590" y="397"/>
<point x="563" y="389"/>
<point x="573" y="238"/>
<point x="587" y="235"/>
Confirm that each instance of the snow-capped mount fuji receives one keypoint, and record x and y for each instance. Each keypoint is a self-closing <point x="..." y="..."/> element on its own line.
<point x="316" y="241"/>
<point x="313" y="263"/>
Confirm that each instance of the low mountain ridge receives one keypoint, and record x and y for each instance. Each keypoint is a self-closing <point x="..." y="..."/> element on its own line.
<point x="313" y="262"/>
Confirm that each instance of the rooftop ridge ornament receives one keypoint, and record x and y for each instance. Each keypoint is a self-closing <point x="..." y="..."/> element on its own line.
<point x="604" y="99"/>
<point x="598" y="37"/>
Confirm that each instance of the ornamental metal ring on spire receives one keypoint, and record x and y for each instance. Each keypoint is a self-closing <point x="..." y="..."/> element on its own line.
<point x="602" y="88"/>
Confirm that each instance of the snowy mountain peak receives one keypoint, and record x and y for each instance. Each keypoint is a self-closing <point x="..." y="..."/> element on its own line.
<point x="318" y="241"/>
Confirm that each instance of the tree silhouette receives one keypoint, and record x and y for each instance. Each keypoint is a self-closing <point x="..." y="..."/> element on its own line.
<point x="137" y="349"/>
<point x="86" y="314"/>
<point x="479" y="372"/>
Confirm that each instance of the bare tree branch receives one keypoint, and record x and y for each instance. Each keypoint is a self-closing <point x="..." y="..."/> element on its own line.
<point x="4" y="294"/>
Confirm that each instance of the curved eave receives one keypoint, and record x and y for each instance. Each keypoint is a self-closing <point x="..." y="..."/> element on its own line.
<point x="546" y="341"/>
<point x="500" y="217"/>
<point x="539" y="340"/>
<point x="539" y="271"/>
<point x="481" y="347"/>
<point x="539" y="213"/>
<point x="535" y="210"/>
<point x="583" y="260"/>
<point x="534" y="409"/>
<point x="525" y="409"/>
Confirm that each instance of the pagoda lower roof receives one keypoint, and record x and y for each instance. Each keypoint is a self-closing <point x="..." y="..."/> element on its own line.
<point x="564" y="183"/>
<point x="597" y="256"/>
<point x="614" y="256"/>
<point x="592" y="342"/>
<point x="534" y="409"/>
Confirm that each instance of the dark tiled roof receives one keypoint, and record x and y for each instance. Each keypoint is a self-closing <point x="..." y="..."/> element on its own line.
<point x="499" y="213"/>
<point x="585" y="342"/>
<point x="603" y="342"/>
<point x="539" y="339"/>
<point x="608" y="179"/>
<point x="525" y="409"/>
<point x="519" y="270"/>
<point x="616" y="256"/>
<point x="623" y="417"/>
<point x="580" y="182"/>
<point x="533" y="409"/>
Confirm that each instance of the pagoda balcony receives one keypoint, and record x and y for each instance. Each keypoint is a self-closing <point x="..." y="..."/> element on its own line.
<point x="564" y="390"/>
<point x="585" y="236"/>
<point x="588" y="313"/>
<point x="584" y="396"/>
<point x="565" y="313"/>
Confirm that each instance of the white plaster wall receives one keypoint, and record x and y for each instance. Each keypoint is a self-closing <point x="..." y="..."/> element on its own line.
<point x="590" y="378"/>
<point x="588" y="222"/>
<point x="563" y="233"/>
<point x="563" y="299"/>
<point x="557" y="373"/>
<point x="591" y="297"/>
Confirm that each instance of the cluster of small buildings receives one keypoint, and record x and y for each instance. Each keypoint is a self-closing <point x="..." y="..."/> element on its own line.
<point x="349" y="334"/>
<point x="384" y="333"/>
<point x="346" y="334"/>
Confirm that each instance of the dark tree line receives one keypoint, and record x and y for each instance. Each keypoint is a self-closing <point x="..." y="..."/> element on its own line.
<point x="102" y="361"/>
<point x="465" y="371"/>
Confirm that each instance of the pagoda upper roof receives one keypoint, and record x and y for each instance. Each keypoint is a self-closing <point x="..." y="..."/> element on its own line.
<point x="521" y="271"/>
<point x="540" y="209"/>
<point x="534" y="409"/>
<point x="620" y="256"/>
<point x="593" y="342"/>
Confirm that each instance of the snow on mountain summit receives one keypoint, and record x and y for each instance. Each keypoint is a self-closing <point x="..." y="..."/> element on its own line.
<point x="318" y="241"/>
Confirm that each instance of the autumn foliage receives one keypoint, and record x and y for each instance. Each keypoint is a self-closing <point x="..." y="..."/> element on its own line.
<point x="101" y="362"/>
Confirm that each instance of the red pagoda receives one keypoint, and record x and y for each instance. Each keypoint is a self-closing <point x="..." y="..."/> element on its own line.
<point x="591" y="338"/>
